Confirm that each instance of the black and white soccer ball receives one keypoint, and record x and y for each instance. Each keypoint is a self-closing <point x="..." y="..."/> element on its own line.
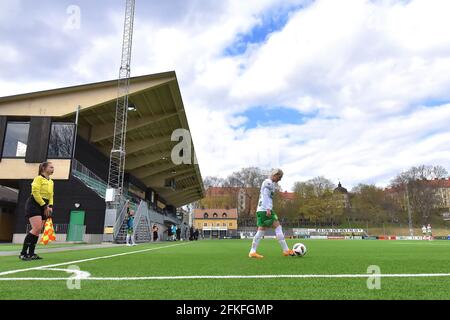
<point x="299" y="249"/>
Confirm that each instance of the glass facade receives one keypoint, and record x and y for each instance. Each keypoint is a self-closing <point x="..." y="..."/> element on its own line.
<point x="16" y="139"/>
<point x="61" y="141"/>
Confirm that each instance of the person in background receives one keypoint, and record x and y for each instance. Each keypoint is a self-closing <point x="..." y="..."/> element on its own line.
<point x="178" y="231"/>
<point x="424" y="231"/>
<point x="191" y="233"/>
<point x="196" y="234"/>
<point x="430" y="234"/>
<point x="174" y="232"/>
<point x="130" y="227"/>
<point x="155" y="233"/>
<point x="169" y="233"/>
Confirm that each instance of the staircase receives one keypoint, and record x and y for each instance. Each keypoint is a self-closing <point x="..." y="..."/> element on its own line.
<point x="99" y="186"/>
<point x="142" y="226"/>
<point x="144" y="215"/>
<point x="122" y="234"/>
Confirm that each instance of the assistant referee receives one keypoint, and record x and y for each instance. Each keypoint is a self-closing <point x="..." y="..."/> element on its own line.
<point x="38" y="207"/>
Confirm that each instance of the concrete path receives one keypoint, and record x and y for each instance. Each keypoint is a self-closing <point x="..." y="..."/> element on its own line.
<point x="62" y="249"/>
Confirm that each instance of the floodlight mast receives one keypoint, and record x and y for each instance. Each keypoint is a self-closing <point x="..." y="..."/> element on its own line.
<point x="117" y="156"/>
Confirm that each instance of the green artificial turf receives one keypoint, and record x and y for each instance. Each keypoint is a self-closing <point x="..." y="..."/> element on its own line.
<point x="229" y="257"/>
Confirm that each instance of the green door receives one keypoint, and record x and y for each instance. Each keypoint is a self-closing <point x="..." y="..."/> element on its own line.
<point x="76" y="226"/>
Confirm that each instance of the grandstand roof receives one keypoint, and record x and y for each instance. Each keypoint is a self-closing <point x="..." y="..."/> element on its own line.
<point x="158" y="111"/>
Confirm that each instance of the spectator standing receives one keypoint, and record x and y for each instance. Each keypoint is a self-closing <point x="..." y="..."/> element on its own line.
<point x="430" y="234"/>
<point x="174" y="232"/>
<point x="191" y="233"/>
<point x="196" y="234"/>
<point x="130" y="227"/>
<point x="155" y="233"/>
<point x="169" y="233"/>
<point x="178" y="232"/>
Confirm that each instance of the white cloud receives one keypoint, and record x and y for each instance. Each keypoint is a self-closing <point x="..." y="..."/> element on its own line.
<point x="9" y="54"/>
<point x="366" y="68"/>
<point x="8" y="10"/>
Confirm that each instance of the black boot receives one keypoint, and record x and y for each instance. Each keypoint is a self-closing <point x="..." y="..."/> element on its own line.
<point x="32" y="247"/>
<point x="29" y="239"/>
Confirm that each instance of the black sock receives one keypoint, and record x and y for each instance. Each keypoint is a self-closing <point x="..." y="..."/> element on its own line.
<point x="26" y="243"/>
<point x="33" y="244"/>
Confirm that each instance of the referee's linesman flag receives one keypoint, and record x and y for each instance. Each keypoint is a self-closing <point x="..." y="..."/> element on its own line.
<point x="49" y="232"/>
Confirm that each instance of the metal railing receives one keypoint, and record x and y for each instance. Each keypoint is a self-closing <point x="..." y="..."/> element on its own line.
<point x="142" y="208"/>
<point x="93" y="181"/>
<point x="79" y="167"/>
<point x="89" y="178"/>
<point x="120" y="219"/>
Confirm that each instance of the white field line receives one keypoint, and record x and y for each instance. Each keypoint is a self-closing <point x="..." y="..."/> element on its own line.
<point x="300" y="276"/>
<point x="86" y="260"/>
<point x="425" y="243"/>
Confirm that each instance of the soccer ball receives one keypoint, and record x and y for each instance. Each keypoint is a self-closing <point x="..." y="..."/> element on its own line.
<point x="299" y="249"/>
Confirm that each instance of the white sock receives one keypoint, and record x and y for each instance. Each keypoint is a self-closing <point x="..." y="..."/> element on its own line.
<point x="132" y="240"/>
<point x="128" y="238"/>
<point x="258" y="236"/>
<point x="280" y="237"/>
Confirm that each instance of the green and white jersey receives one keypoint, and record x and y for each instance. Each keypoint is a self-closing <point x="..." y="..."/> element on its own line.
<point x="429" y="229"/>
<point x="265" y="200"/>
<point x="424" y="229"/>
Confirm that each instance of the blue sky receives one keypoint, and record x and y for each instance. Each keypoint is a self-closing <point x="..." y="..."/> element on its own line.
<point x="273" y="116"/>
<point x="269" y="23"/>
<point x="353" y="90"/>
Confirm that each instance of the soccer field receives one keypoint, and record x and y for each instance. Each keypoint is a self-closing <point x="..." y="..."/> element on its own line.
<point x="220" y="269"/>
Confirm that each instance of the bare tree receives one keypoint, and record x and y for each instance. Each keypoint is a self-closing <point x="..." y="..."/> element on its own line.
<point x="421" y="194"/>
<point x="421" y="172"/>
<point x="61" y="141"/>
<point x="211" y="181"/>
<point x="249" y="180"/>
<point x="316" y="186"/>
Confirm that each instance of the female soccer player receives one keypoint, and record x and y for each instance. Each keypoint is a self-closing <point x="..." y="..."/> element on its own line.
<point x="38" y="207"/>
<point x="266" y="217"/>
<point x="130" y="227"/>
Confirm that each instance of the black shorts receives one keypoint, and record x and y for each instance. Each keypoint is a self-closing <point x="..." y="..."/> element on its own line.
<point x="33" y="209"/>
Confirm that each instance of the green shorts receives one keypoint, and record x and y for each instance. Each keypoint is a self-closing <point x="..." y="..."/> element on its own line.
<point x="262" y="220"/>
<point x="130" y="231"/>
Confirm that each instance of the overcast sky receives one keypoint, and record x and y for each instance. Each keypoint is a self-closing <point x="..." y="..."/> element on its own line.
<point x="355" y="90"/>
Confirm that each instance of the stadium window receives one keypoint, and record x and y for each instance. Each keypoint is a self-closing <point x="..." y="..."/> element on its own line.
<point x="224" y="215"/>
<point x="16" y="139"/>
<point x="61" y="141"/>
<point x="214" y="215"/>
<point x="205" y="216"/>
<point x="205" y="224"/>
<point x="224" y="224"/>
<point x="231" y="224"/>
<point x="218" y="225"/>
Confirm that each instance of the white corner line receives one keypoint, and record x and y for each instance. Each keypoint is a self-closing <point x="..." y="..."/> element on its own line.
<point x="89" y="259"/>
